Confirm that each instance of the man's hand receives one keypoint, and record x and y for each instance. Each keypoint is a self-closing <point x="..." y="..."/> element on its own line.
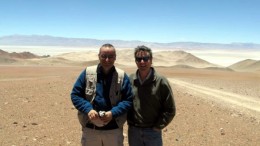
<point x="92" y="115"/>
<point x="107" y="117"/>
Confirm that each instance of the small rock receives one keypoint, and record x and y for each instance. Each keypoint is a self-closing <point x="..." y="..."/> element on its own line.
<point x="222" y="131"/>
<point x="34" y="124"/>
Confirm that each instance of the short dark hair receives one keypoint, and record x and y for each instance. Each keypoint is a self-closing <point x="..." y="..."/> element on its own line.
<point x="143" y="48"/>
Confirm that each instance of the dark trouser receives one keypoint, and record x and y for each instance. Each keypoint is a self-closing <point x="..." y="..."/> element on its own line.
<point x="144" y="137"/>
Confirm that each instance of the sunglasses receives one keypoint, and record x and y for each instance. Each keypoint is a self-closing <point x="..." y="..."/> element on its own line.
<point x="139" y="59"/>
<point x="105" y="56"/>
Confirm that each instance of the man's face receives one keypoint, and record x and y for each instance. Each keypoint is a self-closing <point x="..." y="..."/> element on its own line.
<point x="107" y="57"/>
<point x="143" y="60"/>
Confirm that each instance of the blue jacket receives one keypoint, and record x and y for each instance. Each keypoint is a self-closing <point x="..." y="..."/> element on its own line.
<point x="102" y="101"/>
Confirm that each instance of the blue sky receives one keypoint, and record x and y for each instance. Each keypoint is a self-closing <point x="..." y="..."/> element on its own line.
<point x="209" y="21"/>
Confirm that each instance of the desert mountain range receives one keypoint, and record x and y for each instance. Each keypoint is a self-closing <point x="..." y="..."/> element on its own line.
<point x="170" y="59"/>
<point x="165" y="54"/>
<point x="45" y="40"/>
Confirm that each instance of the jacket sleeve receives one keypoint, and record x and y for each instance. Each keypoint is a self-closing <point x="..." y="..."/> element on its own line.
<point x="168" y="105"/>
<point x="78" y="94"/>
<point x="126" y="102"/>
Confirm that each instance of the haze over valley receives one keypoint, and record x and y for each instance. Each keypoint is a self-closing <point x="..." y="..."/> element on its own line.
<point x="222" y="55"/>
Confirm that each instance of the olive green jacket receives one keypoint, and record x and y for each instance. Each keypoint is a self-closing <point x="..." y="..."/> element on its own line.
<point x="153" y="102"/>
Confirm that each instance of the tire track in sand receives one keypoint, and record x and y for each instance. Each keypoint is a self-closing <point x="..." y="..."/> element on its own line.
<point x="248" y="102"/>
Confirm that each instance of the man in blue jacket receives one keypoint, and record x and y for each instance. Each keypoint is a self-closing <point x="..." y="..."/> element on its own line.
<point x="102" y="95"/>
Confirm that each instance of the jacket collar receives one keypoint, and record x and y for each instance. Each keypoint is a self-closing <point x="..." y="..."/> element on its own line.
<point x="151" y="78"/>
<point x="100" y="70"/>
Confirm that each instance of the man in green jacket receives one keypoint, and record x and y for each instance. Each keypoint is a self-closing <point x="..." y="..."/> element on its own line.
<point x="154" y="106"/>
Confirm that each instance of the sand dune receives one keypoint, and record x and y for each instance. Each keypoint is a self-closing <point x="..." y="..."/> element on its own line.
<point x="125" y="57"/>
<point x="246" y="65"/>
<point x="172" y="58"/>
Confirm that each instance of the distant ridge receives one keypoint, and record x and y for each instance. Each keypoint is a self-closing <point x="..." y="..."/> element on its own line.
<point x="246" y="65"/>
<point x="45" y="40"/>
<point x="6" y="57"/>
<point x="169" y="59"/>
<point x="180" y="58"/>
<point x="14" y="55"/>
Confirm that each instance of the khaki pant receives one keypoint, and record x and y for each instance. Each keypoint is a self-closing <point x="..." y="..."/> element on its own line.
<point x="92" y="137"/>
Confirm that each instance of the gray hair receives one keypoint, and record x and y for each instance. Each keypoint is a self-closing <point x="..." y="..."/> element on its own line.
<point x="107" y="46"/>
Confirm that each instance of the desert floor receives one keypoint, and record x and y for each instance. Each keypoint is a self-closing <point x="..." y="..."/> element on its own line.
<point x="213" y="107"/>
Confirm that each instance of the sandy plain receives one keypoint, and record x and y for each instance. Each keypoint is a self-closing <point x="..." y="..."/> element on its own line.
<point x="213" y="107"/>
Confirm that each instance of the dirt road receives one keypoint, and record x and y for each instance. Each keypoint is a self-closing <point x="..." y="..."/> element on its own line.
<point x="247" y="104"/>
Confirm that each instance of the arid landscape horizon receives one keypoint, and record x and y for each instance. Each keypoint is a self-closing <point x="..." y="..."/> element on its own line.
<point x="209" y="51"/>
<point x="216" y="105"/>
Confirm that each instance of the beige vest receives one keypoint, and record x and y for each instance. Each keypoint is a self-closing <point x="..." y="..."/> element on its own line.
<point x="114" y="94"/>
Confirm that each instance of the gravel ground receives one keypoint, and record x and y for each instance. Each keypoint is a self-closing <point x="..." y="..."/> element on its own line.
<point x="35" y="108"/>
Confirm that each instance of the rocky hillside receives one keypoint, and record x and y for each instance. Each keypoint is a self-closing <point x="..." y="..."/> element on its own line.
<point x="173" y="58"/>
<point x="6" y="57"/>
<point x="246" y="65"/>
